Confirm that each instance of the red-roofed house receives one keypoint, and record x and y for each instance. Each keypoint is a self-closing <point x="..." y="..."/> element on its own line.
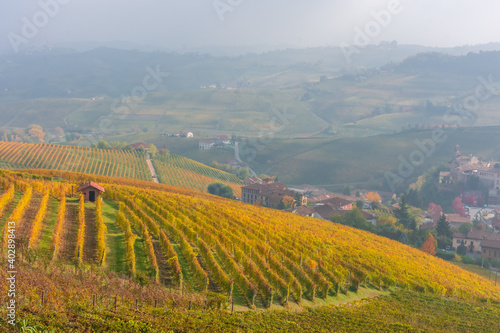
<point x="139" y="145"/>
<point x="457" y="220"/>
<point x="91" y="191"/>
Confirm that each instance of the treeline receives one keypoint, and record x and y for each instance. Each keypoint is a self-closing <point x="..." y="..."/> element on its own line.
<point x="241" y="173"/>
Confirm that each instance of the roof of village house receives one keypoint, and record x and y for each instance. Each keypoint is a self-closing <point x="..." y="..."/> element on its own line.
<point x="495" y="244"/>
<point x="252" y="180"/>
<point x="495" y="223"/>
<point x="90" y="184"/>
<point x="138" y="145"/>
<point x="338" y="202"/>
<point x="455" y="218"/>
<point x="325" y="211"/>
<point x="304" y="210"/>
<point x="276" y="189"/>
<point x="479" y="235"/>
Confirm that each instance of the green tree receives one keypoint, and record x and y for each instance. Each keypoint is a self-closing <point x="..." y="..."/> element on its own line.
<point x="360" y="204"/>
<point x="102" y="144"/>
<point x="462" y="249"/>
<point x="404" y="216"/>
<point x="355" y="218"/>
<point x="443" y="227"/>
<point x="152" y="149"/>
<point x="465" y="228"/>
<point x="222" y="190"/>
<point x="403" y="238"/>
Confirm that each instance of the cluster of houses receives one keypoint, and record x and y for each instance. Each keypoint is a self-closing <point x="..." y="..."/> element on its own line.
<point x="215" y="142"/>
<point x="485" y="243"/>
<point x="269" y="193"/>
<point x="468" y="169"/>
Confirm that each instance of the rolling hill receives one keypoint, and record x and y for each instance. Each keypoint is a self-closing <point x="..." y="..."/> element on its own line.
<point x="173" y="169"/>
<point x="154" y="242"/>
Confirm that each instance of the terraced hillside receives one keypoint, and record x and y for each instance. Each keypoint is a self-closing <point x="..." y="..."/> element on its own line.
<point x="172" y="170"/>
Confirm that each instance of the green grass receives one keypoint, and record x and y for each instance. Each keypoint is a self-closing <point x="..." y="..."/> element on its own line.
<point x="45" y="246"/>
<point x="115" y="240"/>
<point x="476" y="269"/>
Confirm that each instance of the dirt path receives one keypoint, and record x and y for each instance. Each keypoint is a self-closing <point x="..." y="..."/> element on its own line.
<point x="69" y="232"/>
<point x="90" y="244"/>
<point x="151" y="168"/>
<point x="25" y="223"/>
<point x="165" y="273"/>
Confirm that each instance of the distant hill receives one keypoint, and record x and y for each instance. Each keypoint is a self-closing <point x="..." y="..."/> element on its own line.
<point x="173" y="170"/>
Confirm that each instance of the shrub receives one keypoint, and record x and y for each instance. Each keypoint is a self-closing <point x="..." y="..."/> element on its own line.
<point x="445" y="255"/>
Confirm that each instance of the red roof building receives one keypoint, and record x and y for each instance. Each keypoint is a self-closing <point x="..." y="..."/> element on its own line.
<point x="91" y="191"/>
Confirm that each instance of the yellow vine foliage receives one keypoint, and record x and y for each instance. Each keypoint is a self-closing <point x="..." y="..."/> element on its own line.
<point x="36" y="227"/>
<point x="59" y="226"/>
<point x="101" y="232"/>
<point x="80" y="240"/>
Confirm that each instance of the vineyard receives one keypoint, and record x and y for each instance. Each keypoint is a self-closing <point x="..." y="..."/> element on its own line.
<point x="172" y="169"/>
<point x="196" y="244"/>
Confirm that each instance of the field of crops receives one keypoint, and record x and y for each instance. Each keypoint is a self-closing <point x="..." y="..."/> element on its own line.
<point x="195" y="242"/>
<point x="172" y="169"/>
<point x="202" y="246"/>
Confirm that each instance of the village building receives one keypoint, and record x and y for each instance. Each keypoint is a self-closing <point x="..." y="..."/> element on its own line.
<point x="139" y="145"/>
<point x="270" y="194"/>
<point x="252" y="180"/>
<point x="456" y="220"/>
<point x="474" y="239"/>
<point x="490" y="249"/>
<point x="91" y="191"/>
<point x="205" y="145"/>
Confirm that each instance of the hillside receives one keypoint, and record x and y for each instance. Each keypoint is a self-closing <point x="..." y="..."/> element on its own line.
<point x="173" y="170"/>
<point x="163" y="236"/>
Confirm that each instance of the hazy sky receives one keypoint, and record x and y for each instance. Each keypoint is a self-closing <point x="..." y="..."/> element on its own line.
<point x="193" y="23"/>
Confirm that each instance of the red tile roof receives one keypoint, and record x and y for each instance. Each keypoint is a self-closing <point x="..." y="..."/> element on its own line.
<point x="90" y="184"/>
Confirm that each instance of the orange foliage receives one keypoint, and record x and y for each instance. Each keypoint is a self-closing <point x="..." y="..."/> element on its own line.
<point x="429" y="245"/>
<point x="373" y="197"/>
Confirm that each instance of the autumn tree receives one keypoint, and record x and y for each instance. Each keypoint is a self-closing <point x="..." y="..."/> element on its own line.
<point x="36" y="133"/>
<point x="288" y="201"/>
<point x="152" y="149"/>
<point x="429" y="245"/>
<point x="373" y="197"/>
<point x="458" y="206"/>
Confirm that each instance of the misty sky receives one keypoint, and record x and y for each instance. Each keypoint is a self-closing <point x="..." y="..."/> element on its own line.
<point x="193" y="23"/>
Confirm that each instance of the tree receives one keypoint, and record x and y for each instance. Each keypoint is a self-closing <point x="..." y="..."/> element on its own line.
<point x="36" y="133"/>
<point x="373" y="197"/>
<point x="360" y="204"/>
<point x="355" y="218"/>
<point x="102" y="144"/>
<point x="222" y="190"/>
<point x="462" y="249"/>
<point x="458" y="206"/>
<point x="403" y="215"/>
<point x="443" y="227"/>
<point x="429" y="245"/>
<point x="152" y="149"/>
<point x="465" y="228"/>
<point x="288" y="201"/>
<point x="403" y="238"/>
